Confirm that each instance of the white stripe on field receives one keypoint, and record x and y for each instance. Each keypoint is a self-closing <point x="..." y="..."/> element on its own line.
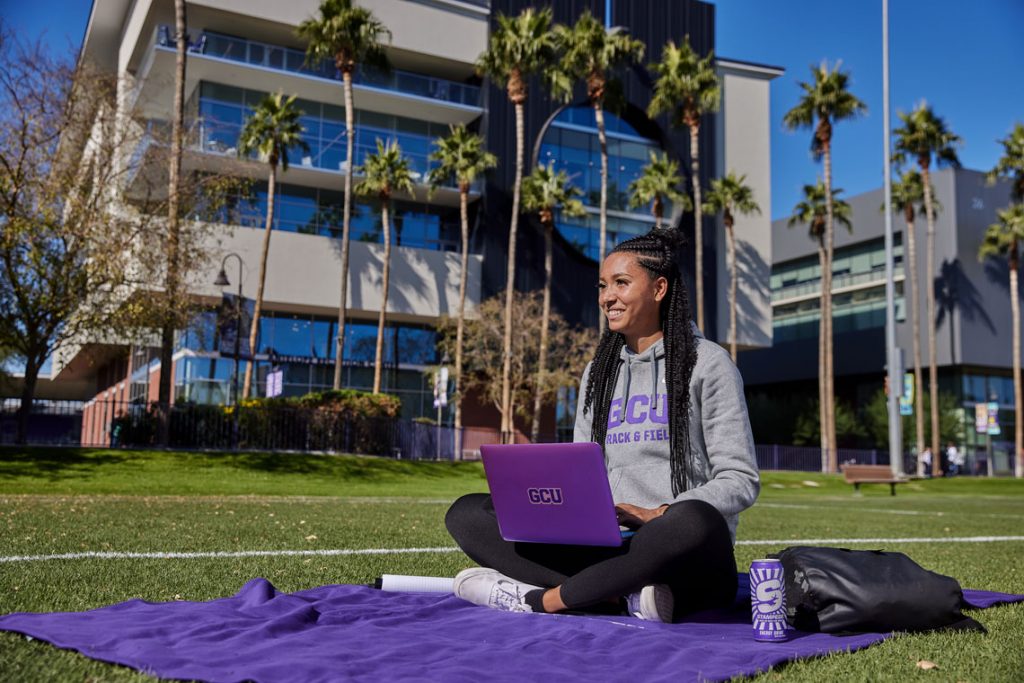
<point x="851" y="541"/>
<point x="887" y="511"/>
<point x="111" y="555"/>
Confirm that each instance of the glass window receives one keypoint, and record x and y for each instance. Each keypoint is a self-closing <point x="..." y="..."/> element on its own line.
<point x="974" y="388"/>
<point x="417" y="346"/>
<point x="323" y="338"/>
<point x="224" y="93"/>
<point x="292" y="335"/>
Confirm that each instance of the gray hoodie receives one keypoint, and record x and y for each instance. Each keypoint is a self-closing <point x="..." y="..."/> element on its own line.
<point x="637" y="445"/>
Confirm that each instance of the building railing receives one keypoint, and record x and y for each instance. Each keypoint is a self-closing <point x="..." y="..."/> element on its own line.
<point x="290" y="60"/>
<point x="872" y="277"/>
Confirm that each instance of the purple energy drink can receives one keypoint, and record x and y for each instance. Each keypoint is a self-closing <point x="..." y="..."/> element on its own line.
<point x="768" y="600"/>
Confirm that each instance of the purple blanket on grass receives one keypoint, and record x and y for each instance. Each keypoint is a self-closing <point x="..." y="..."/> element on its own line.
<point x="346" y="632"/>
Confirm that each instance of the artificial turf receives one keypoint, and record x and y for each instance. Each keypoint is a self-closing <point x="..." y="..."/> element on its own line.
<point x="56" y="501"/>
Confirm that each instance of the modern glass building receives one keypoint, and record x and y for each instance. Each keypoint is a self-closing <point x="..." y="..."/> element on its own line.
<point x="972" y="312"/>
<point x="239" y="51"/>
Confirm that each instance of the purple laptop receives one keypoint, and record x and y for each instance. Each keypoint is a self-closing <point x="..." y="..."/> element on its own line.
<point x="552" y="493"/>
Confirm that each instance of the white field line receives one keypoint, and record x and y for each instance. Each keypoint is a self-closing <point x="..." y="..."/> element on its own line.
<point x="110" y="555"/>
<point x="920" y="513"/>
<point x="113" y="555"/>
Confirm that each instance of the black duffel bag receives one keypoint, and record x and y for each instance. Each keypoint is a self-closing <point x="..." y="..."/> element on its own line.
<point x="835" y="590"/>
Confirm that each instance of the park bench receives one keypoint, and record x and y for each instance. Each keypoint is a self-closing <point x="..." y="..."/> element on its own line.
<point x="871" y="474"/>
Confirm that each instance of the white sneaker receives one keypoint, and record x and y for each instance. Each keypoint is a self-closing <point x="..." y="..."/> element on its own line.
<point x="652" y="603"/>
<point x="491" y="588"/>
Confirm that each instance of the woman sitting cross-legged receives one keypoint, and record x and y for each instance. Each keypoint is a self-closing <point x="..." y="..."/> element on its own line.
<point x="681" y="486"/>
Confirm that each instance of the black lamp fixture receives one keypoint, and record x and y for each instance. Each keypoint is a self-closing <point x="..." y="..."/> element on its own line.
<point x="222" y="279"/>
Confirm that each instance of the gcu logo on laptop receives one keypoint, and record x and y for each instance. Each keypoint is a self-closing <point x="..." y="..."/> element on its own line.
<point x="540" y="496"/>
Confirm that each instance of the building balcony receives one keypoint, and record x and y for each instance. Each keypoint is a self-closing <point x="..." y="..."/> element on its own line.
<point x="841" y="283"/>
<point x="213" y="148"/>
<point x="254" y="65"/>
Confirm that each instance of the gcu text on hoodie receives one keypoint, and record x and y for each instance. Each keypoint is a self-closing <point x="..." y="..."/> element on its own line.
<point x="636" y="447"/>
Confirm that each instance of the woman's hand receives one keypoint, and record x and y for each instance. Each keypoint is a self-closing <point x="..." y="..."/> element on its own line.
<point x="634" y="516"/>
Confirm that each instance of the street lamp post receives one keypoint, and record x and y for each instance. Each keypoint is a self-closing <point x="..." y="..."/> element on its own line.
<point x="222" y="281"/>
<point x="894" y="365"/>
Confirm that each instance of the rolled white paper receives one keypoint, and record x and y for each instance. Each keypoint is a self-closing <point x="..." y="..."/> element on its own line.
<point x="401" y="583"/>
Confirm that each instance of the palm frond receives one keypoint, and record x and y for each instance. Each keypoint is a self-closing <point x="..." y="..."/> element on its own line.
<point x="385" y="172"/>
<point x="1005" y="235"/>
<point x="461" y="157"/>
<point x="686" y="85"/>
<point x="546" y="190"/>
<point x="659" y="179"/>
<point x="272" y="129"/>
<point x="924" y="135"/>
<point x="347" y="34"/>
<point x="522" y="44"/>
<point x="731" y="193"/>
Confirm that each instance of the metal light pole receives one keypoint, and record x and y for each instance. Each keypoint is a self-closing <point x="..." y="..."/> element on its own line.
<point x="895" y="364"/>
<point x="222" y="281"/>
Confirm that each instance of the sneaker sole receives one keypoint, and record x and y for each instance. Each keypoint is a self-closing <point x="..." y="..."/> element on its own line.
<point x="657" y="603"/>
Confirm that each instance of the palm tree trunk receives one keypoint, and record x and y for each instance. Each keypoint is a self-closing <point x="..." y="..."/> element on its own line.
<point x="346" y="220"/>
<point x="933" y="368"/>
<point x="171" y="283"/>
<point x="378" y="357"/>
<point x="732" y="288"/>
<point x="258" y="309"/>
<point x="822" y="387"/>
<point x="507" y="425"/>
<point x="459" y="330"/>
<point x="830" y="391"/>
<point x="1018" y="397"/>
<point x="545" y="316"/>
<point x="658" y="210"/>
<point x="698" y="223"/>
<point x="603" y="234"/>
<point x="915" y="318"/>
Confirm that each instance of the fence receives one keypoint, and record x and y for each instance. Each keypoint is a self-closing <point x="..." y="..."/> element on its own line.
<point x="289" y="428"/>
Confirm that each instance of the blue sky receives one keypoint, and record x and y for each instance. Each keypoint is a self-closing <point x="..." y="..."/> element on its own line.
<point x="964" y="58"/>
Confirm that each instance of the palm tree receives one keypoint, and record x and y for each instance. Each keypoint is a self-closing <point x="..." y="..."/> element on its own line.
<point x="1011" y="164"/>
<point x="826" y="101"/>
<point x="813" y="211"/>
<point x="1005" y="237"/>
<point x="923" y="136"/>
<point x="589" y="51"/>
<point x="350" y="36"/>
<point x="659" y="180"/>
<point x="907" y="197"/>
<point x="730" y="196"/>
<point x="461" y="156"/>
<point x="386" y="171"/>
<point x="688" y="87"/>
<point x="547" y="192"/>
<point x="270" y="131"/>
<point x="519" y="46"/>
<point x="172" y="277"/>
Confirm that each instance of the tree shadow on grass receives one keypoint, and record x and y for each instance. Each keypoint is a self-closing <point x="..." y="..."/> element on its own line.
<point x="53" y="464"/>
<point x="340" y="467"/>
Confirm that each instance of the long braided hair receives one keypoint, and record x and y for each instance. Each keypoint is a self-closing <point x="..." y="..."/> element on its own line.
<point x="656" y="252"/>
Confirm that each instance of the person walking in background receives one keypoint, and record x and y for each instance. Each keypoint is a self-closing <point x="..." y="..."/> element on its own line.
<point x="924" y="462"/>
<point x="955" y="459"/>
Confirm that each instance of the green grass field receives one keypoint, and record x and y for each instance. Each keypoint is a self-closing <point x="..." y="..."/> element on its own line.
<point x="57" y="501"/>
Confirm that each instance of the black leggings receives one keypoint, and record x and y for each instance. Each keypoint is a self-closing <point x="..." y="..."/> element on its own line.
<point x="688" y="547"/>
